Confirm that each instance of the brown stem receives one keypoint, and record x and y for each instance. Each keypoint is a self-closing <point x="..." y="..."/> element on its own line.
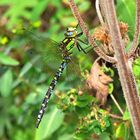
<point x="137" y="30"/>
<point x="97" y="4"/>
<point x="124" y="69"/>
<point x="86" y="32"/>
<point x="115" y="116"/>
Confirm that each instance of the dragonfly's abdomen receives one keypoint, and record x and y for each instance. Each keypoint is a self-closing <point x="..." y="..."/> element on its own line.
<point x="51" y="88"/>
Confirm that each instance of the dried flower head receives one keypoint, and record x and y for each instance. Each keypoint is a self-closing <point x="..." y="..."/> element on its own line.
<point x="101" y="34"/>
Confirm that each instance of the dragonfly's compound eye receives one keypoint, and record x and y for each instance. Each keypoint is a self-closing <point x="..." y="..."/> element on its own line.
<point x="71" y="32"/>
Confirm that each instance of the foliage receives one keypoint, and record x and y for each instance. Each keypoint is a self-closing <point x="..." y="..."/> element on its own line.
<point x="23" y="81"/>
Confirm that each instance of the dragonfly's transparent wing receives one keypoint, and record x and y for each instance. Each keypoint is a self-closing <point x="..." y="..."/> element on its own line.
<point x="73" y="72"/>
<point x="48" y="50"/>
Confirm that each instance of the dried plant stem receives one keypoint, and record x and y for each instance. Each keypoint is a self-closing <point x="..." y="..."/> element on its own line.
<point x="99" y="12"/>
<point x="115" y="116"/>
<point x="137" y="30"/>
<point x="116" y="103"/>
<point x="124" y="70"/>
<point x="86" y="32"/>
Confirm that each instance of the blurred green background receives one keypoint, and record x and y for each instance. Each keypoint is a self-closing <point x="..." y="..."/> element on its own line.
<point x="23" y="85"/>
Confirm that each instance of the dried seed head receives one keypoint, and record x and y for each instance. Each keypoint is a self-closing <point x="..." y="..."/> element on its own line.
<point x="123" y="28"/>
<point x="101" y="34"/>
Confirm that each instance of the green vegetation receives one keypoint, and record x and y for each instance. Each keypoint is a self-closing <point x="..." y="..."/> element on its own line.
<point x="24" y="81"/>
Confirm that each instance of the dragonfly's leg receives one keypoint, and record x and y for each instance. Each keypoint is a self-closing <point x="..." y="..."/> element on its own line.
<point x="89" y="49"/>
<point x="78" y="35"/>
<point x="86" y="43"/>
<point x="64" y="40"/>
<point x="79" y="46"/>
<point x="77" y="25"/>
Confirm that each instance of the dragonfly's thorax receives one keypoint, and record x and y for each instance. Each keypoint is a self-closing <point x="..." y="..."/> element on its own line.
<point x="64" y="45"/>
<point x="71" y="32"/>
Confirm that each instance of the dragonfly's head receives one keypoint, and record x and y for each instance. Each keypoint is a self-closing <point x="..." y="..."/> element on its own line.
<point x="71" y="32"/>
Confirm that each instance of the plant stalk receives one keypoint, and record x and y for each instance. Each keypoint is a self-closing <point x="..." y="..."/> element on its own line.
<point x="124" y="68"/>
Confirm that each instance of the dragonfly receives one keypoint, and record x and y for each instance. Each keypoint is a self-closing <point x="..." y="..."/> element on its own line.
<point x="70" y="41"/>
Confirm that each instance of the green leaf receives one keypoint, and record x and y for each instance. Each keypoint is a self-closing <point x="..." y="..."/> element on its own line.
<point x="126" y="115"/>
<point x="136" y="67"/>
<point x="82" y="111"/>
<point x="66" y="137"/>
<point x="111" y="88"/>
<point x="104" y="136"/>
<point x="127" y="9"/>
<point x="13" y="13"/>
<point x="84" y="6"/>
<point x="50" y="123"/>
<point x="97" y="130"/>
<point x="80" y="136"/>
<point x="84" y="100"/>
<point x="81" y="103"/>
<point x="120" y="132"/>
<point x="31" y="98"/>
<point x="38" y="9"/>
<point x="7" y="60"/>
<point x="6" y="83"/>
<point x="28" y="66"/>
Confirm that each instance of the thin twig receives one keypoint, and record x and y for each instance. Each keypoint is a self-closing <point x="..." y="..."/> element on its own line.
<point x="99" y="12"/>
<point x="124" y="70"/>
<point x="87" y="34"/>
<point x="115" y="116"/>
<point x="116" y="103"/>
<point x="137" y="30"/>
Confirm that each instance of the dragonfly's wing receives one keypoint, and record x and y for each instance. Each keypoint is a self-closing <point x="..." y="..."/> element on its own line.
<point x="48" y="50"/>
<point x="73" y="72"/>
